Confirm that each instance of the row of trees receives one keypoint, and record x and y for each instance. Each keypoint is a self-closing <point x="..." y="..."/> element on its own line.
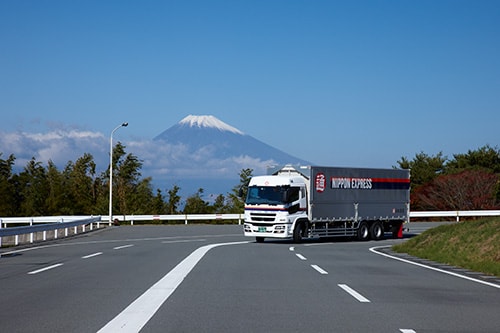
<point x="469" y="181"/>
<point x="40" y="190"/>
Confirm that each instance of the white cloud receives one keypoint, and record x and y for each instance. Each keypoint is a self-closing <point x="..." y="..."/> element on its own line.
<point x="165" y="163"/>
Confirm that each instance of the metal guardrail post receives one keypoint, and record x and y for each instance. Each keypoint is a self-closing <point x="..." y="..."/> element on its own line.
<point x="31" y="235"/>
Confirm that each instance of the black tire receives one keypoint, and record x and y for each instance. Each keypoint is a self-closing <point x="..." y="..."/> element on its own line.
<point x="259" y="239"/>
<point x="363" y="231"/>
<point x="377" y="231"/>
<point x="298" y="232"/>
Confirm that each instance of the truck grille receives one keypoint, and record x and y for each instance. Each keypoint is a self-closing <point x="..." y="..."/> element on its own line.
<point x="263" y="217"/>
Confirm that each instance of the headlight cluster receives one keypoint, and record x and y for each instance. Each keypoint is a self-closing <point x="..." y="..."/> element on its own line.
<point x="279" y="229"/>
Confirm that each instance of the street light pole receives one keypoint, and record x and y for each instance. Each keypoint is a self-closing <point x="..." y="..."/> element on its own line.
<point x="111" y="172"/>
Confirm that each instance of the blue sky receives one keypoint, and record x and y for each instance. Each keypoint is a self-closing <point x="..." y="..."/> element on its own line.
<point x="348" y="83"/>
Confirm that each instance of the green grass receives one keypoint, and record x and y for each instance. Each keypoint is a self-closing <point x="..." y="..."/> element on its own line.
<point x="473" y="245"/>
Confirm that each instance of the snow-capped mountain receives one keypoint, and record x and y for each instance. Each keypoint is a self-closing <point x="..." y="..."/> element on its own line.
<point x="210" y="136"/>
<point x="202" y="151"/>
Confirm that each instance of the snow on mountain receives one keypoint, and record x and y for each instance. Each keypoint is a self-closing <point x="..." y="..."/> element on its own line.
<point x="210" y="122"/>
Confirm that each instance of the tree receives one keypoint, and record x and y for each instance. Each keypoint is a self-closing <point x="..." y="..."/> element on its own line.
<point x="81" y="177"/>
<point x="133" y="193"/>
<point x="424" y="168"/>
<point x="485" y="158"/>
<point x="219" y="206"/>
<point x="173" y="200"/>
<point x="33" y="189"/>
<point x="7" y="189"/>
<point x="195" y="204"/>
<point x="236" y="203"/>
<point x="467" y="190"/>
<point x="159" y="205"/>
<point x="58" y="201"/>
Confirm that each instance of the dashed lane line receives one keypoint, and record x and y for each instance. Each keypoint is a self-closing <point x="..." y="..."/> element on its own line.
<point x="354" y="293"/>
<point x="123" y="247"/>
<point x="300" y="256"/>
<point x="319" y="269"/>
<point x="92" y="255"/>
<point x="44" y="269"/>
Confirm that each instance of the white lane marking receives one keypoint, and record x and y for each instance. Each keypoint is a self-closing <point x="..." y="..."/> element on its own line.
<point x="92" y="255"/>
<point x="354" y="293"/>
<point x="405" y="330"/>
<point x="374" y="250"/>
<point x="123" y="247"/>
<point x="291" y="248"/>
<point x="319" y="269"/>
<point x="301" y="257"/>
<point x="44" y="269"/>
<point x="184" y="241"/>
<point x="140" y="311"/>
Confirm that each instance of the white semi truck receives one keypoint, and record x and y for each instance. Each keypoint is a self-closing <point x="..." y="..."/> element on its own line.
<point x="313" y="201"/>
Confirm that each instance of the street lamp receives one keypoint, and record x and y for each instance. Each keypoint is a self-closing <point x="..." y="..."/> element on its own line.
<point x="111" y="172"/>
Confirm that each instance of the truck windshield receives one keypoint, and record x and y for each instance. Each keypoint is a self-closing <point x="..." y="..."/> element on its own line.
<point x="271" y="195"/>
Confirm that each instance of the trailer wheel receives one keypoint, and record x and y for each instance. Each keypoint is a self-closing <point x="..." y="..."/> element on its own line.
<point x="259" y="239"/>
<point x="298" y="232"/>
<point x="363" y="231"/>
<point x="377" y="231"/>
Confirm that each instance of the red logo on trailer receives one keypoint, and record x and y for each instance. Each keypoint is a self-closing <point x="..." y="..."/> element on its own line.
<point x="320" y="182"/>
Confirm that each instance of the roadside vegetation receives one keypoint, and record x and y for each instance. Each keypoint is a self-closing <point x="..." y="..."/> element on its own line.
<point x="79" y="189"/>
<point x="473" y="245"/>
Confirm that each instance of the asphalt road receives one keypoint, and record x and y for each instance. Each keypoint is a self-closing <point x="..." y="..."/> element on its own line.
<point x="212" y="279"/>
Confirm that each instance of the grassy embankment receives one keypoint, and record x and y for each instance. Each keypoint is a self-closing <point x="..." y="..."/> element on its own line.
<point x="473" y="245"/>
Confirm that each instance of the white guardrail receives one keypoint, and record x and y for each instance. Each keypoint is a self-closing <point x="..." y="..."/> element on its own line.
<point x="71" y="224"/>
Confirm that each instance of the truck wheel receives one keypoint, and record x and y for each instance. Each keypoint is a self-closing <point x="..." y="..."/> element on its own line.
<point x="298" y="232"/>
<point x="377" y="231"/>
<point x="363" y="231"/>
<point x="259" y="239"/>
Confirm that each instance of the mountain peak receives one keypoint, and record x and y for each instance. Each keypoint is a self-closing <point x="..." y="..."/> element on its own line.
<point x="210" y="122"/>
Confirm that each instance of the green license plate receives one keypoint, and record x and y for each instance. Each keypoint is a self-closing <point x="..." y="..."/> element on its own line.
<point x="262" y="229"/>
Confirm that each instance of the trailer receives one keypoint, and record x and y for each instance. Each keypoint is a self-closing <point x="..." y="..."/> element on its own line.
<point x="314" y="201"/>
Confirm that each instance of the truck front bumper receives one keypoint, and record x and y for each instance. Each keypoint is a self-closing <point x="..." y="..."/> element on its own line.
<point x="270" y="231"/>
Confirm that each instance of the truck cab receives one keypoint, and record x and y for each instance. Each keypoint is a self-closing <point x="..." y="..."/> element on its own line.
<point x="274" y="204"/>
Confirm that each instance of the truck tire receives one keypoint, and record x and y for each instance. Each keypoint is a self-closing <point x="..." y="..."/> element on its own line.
<point x="377" y="231"/>
<point x="363" y="231"/>
<point x="298" y="232"/>
<point x="259" y="239"/>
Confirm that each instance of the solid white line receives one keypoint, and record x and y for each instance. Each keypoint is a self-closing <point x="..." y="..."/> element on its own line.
<point x="301" y="257"/>
<point x="45" y="269"/>
<point x="319" y="269"/>
<point x="138" y="313"/>
<point x="122" y="247"/>
<point x="92" y="255"/>
<point x="404" y="330"/>
<point x="374" y="250"/>
<point x="354" y="293"/>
